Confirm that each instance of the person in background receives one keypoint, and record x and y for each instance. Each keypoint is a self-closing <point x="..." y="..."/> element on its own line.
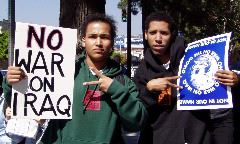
<point x="3" y="137"/>
<point x="156" y="80"/>
<point x="101" y="103"/>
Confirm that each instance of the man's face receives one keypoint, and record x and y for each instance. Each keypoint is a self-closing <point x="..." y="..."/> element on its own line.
<point x="158" y="36"/>
<point x="97" y="41"/>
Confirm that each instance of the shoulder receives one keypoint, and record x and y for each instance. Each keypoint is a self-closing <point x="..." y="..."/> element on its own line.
<point x="142" y="68"/>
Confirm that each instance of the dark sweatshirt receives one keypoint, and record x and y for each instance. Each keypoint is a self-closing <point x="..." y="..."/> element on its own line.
<point x="166" y="125"/>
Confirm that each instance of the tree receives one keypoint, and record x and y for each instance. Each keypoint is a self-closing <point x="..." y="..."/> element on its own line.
<point x="73" y="12"/>
<point x="4" y="46"/>
<point x="119" y="57"/>
<point x="135" y="6"/>
<point x="3" y="49"/>
<point x="195" y="18"/>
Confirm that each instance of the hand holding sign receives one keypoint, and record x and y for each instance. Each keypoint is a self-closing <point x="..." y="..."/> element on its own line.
<point x="42" y="60"/>
<point x="226" y="77"/>
<point x="104" y="81"/>
<point x="201" y="71"/>
<point x="160" y="84"/>
<point x="15" y="74"/>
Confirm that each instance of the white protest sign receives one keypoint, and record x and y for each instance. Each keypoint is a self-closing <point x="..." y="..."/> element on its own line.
<point x="47" y="56"/>
<point x="202" y="59"/>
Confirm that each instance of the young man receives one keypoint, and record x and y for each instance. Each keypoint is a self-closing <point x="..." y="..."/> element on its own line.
<point x="101" y="103"/>
<point x="156" y="80"/>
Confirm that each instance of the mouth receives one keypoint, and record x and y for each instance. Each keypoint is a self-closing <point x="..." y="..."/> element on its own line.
<point x="98" y="50"/>
<point x="158" y="47"/>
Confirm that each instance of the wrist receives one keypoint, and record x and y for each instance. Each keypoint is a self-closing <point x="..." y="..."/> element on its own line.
<point x="149" y="87"/>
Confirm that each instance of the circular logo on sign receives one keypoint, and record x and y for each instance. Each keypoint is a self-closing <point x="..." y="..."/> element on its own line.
<point x="202" y="71"/>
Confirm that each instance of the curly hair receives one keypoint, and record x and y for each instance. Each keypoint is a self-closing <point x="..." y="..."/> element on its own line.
<point x="97" y="17"/>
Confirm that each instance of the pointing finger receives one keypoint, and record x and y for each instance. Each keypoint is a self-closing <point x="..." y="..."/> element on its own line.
<point x="174" y="85"/>
<point x="172" y="78"/>
<point x="91" y="83"/>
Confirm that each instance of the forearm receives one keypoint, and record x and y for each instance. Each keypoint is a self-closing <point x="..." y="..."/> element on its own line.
<point x="130" y="108"/>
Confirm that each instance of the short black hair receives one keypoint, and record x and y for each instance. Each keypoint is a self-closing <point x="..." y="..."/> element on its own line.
<point x="161" y="16"/>
<point x="98" y="17"/>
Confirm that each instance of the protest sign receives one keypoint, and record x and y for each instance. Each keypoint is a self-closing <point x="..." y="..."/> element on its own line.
<point x="197" y="68"/>
<point x="47" y="56"/>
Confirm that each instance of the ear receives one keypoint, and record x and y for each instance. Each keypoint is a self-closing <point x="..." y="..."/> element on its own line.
<point x="145" y="34"/>
<point x="83" y="42"/>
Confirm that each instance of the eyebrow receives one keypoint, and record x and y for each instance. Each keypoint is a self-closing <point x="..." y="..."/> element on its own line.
<point x="94" y="34"/>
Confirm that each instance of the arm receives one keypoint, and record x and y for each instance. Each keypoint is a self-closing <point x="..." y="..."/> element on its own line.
<point x="154" y="91"/>
<point x="131" y="110"/>
<point x="130" y="107"/>
<point x="149" y="98"/>
<point x="160" y="84"/>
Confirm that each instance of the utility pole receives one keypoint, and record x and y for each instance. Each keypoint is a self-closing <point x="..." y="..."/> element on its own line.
<point x="11" y="38"/>
<point x="129" y="55"/>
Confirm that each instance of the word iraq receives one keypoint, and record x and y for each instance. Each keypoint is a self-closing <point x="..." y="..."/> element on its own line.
<point x="37" y="62"/>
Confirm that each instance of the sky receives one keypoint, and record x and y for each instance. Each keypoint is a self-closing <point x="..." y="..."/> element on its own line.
<point x="46" y="12"/>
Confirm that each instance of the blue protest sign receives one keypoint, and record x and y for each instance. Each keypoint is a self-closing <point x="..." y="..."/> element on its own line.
<point x="201" y="61"/>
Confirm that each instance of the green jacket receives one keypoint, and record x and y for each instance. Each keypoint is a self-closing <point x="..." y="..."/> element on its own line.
<point x="98" y="120"/>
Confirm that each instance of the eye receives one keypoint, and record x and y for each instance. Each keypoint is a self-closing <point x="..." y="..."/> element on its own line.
<point x="152" y="32"/>
<point x="105" y="36"/>
<point x="164" y="33"/>
<point x="92" y="36"/>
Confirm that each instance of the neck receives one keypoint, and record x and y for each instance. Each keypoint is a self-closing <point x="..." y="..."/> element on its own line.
<point x="164" y="58"/>
<point x="99" y="65"/>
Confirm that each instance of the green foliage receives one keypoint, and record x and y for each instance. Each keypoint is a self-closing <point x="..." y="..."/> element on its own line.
<point x="122" y="4"/>
<point x="235" y="50"/>
<point x="4" y="46"/>
<point x="197" y="19"/>
<point x="135" y="6"/>
<point x="119" y="57"/>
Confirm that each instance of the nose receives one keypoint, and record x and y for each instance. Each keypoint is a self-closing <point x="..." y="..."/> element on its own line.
<point x="158" y="37"/>
<point x="98" y="41"/>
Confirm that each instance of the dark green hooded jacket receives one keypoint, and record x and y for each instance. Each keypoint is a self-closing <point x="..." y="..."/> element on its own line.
<point x="98" y="120"/>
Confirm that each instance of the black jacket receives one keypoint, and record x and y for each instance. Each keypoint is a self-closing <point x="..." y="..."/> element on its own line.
<point x="166" y="125"/>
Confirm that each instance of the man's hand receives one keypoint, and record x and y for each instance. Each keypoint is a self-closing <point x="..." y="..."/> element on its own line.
<point x="15" y="74"/>
<point x="104" y="81"/>
<point x="227" y="78"/>
<point x="160" y="84"/>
